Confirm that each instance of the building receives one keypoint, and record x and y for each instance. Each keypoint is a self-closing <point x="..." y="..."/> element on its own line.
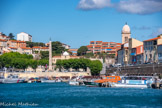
<point x="39" y="48"/>
<point x="107" y="47"/>
<point x="3" y="44"/>
<point x="126" y="33"/>
<point x="25" y="50"/>
<point x="16" y="44"/>
<point x="139" y="54"/>
<point x="150" y="49"/>
<point x="64" y="56"/>
<point x="3" y="36"/>
<point x="73" y="51"/>
<point x="66" y="46"/>
<point x="122" y="56"/>
<point x="133" y="43"/>
<point x="159" y="51"/>
<point x="24" y="37"/>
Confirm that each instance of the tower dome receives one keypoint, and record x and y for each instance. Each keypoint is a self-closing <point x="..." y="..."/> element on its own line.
<point x="126" y="29"/>
<point x="65" y="54"/>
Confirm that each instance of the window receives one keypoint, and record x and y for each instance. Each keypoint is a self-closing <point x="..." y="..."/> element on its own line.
<point x="126" y="39"/>
<point x="107" y="77"/>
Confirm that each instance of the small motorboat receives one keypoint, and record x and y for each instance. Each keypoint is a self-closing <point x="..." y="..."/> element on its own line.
<point x="46" y="80"/>
<point x="10" y="79"/>
<point x="34" y="80"/>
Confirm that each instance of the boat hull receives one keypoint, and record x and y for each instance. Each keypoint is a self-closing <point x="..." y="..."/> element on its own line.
<point x="129" y="86"/>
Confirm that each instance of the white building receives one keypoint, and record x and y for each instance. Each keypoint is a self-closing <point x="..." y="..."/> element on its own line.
<point x="24" y="37"/>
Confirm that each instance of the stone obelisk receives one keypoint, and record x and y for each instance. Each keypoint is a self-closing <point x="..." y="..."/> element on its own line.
<point x="50" y="55"/>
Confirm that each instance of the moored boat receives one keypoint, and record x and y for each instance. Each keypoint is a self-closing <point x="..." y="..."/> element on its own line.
<point x="10" y="79"/>
<point x="46" y="80"/>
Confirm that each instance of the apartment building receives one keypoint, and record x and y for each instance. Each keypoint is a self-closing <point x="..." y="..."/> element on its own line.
<point x="107" y="47"/>
<point x="150" y="49"/>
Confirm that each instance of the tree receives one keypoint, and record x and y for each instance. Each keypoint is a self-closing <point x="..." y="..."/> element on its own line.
<point x="11" y="36"/>
<point x="57" y="47"/>
<point x="59" y="65"/>
<point x="43" y="62"/>
<point x="95" y="67"/>
<point x="159" y="35"/>
<point x="33" y="64"/>
<point x="82" y="50"/>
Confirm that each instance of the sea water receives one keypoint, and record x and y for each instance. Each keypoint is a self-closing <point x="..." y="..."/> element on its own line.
<point x="62" y="95"/>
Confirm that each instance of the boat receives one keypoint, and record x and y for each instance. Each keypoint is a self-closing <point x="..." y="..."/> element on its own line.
<point x="74" y="83"/>
<point x="134" y="82"/>
<point x="34" y="80"/>
<point x="90" y="84"/>
<point x="10" y="79"/>
<point x="126" y="81"/>
<point x="46" y="80"/>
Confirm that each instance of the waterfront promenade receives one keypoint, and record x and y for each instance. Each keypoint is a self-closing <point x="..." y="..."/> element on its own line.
<point x="46" y="74"/>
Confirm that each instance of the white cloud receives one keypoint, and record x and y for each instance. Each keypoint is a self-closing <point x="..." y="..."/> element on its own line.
<point x="124" y="6"/>
<point x="157" y="32"/>
<point x="139" y="6"/>
<point x="93" y="4"/>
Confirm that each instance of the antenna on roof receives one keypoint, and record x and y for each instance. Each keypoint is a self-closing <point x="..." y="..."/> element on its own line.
<point x="50" y="39"/>
<point x="125" y="23"/>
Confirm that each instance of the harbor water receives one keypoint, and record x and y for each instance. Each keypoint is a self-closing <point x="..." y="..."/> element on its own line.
<point x="62" y="95"/>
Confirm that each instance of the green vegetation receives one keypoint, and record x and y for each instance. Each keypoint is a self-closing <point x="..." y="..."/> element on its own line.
<point x="11" y="36"/>
<point x="57" y="49"/>
<point x="82" y="51"/>
<point x="95" y="66"/>
<point x="20" y="61"/>
<point x="32" y="44"/>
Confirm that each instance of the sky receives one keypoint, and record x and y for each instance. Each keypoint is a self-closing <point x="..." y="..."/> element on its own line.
<point x="77" y="22"/>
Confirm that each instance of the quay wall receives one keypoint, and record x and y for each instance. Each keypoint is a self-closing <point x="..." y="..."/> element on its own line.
<point x="48" y="74"/>
<point x="139" y="70"/>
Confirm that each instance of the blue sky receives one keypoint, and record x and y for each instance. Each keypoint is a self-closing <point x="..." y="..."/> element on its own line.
<point x="77" y="22"/>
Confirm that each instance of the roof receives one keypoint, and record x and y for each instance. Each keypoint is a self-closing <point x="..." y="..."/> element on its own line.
<point x="119" y="43"/>
<point x="98" y="41"/>
<point x="89" y="46"/>
<point x="44" y="48"/>
<point x="56" y="56"/>
<point x="28" y="48"/>
<point x="152" y="39"/>
<point x="12" y="47"/>
<point x="104" y="43"/>
<point x="74" y="56"/>
<point x="17" y="41"/>
<point x="3" y="40"/>
<point x="36" y="47"/>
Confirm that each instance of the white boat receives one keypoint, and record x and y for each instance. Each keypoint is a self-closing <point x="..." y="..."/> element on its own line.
<point x="48" y="81"/>
<point x="134" y="82"/>
<point x="10" y="79"/>
<point x="130" y="85"/>
<point x="73" y="82"/>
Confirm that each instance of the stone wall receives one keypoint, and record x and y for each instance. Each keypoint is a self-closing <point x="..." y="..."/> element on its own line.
<point x="140" y="70"/>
